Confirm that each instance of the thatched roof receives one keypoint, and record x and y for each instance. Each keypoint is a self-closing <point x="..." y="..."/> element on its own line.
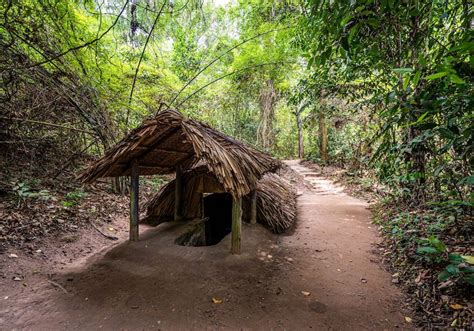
<point x="169" y="139"/>
<point x="276" y="200"/>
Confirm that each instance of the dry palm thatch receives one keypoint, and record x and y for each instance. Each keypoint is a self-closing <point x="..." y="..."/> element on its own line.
<point x="196" y="181"/>
<point x="170" y="140"/>
<point x="276" y="203"/>
<point x="276" y="200"/>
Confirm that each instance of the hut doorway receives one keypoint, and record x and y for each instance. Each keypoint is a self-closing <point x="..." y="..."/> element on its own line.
<point x="218" y="210"/>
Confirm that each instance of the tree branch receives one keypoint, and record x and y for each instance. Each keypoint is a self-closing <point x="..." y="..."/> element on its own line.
<point x="140" y="61"/>
<point x="48" y="124"/>
<point x="227" y="75"/>
<point x="220" y="56"/>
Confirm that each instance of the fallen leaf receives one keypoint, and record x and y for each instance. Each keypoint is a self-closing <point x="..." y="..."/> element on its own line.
<point x="216" y="301"/>
<point x="456" y="306"/>
<point x="468" y="258"/>
<point x="306" y="293"/>
<point x="418" y="279"/>
<point x="408" y="319"/>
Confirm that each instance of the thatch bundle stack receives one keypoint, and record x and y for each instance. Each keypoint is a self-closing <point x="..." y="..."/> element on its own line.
<point x="276" y="203"/>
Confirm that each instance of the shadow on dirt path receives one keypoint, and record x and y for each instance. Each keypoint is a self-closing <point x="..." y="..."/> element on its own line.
<point x="322" y="276"/>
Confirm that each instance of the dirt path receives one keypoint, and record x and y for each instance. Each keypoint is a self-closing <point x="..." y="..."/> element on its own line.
<point x="155" y="284"/>
<point x="334" y="244"/>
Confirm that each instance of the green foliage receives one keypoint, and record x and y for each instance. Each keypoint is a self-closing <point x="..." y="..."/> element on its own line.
<point x="409" y="63"/>
<point x="73" y="198"/>
<point x="25" y="190"/>
<point x="456" y="267"/>
<point x="432" y="249"/>
<point x="155" y="182"/>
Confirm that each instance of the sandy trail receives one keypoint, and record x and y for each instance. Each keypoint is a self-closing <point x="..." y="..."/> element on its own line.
<point x="155" y="284"/>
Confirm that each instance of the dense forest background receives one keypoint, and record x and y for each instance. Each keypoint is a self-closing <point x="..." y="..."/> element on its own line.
<point x="381" y="88"/>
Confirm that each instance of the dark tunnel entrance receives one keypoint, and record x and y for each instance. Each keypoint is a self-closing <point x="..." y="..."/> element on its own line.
<point x="218" y="208"/>
<point x="215" y="225"/>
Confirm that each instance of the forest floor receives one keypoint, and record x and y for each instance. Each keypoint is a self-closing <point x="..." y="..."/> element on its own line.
<point x="324" y="275"/>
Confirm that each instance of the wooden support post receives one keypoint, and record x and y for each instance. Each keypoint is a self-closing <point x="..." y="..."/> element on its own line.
<point x="134" y="189"/>
<point x="253" y="207"/>
<point x="178" y="195"/>
<point x="236" y="225"/>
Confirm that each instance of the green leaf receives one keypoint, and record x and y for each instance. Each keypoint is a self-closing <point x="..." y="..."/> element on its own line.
<point x="446" y="133"/>
<point x="346" y="20"/>
<point x="468" y="258"/>
<point x="456" y="79"/>
<point x="452" y="269"/>
<point x="402" y="70"/>
<point x="437" y="75"/>
<point x="426" y="250"/>
<point x="443" y="276"/>
<point x="469" y="180"/>
<point x="469" y="279"/>
<point x="422" y="117"/>
<point x="416" y="79"/>
<point x="455" y="258"/>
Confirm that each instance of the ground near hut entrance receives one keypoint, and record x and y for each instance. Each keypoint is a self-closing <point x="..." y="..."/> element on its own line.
<point x="322" y="276"/>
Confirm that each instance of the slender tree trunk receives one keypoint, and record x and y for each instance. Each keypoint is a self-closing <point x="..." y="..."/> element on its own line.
<point x="299" y="126"/>
<point x="323" y="138"/>
<point x="300" y="137"/>
<point x="268" y="98"/>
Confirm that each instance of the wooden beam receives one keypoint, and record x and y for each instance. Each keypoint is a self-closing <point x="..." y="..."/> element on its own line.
<point x="171" y="151"/>
<point x="178" y="195"/>
<point x="253" y="207"/>
<point x="236" y="225"/>
<point x="134" y="190"/>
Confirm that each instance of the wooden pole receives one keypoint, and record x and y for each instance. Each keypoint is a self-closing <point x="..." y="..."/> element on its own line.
<point x="134" y="215"/>
<point x="236" y="225"/>
<point x="253" y="207"/>
<point x="178" y="195"/>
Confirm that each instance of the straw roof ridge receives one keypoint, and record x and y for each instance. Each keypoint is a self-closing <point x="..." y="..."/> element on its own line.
<point x="169" y="140"/>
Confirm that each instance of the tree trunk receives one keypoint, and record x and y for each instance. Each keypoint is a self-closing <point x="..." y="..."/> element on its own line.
<point x="268" y="98"/>
<point x="253" y="206"/>
<point x="323" y="138"/>
<point x="236" y="225"/>
<point x="134" y="194"/>
<point x="299" y="123"/>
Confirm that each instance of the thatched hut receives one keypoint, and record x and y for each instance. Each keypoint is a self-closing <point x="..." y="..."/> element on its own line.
<point x="172" y="143"/>
<point x="205" y="199"/>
